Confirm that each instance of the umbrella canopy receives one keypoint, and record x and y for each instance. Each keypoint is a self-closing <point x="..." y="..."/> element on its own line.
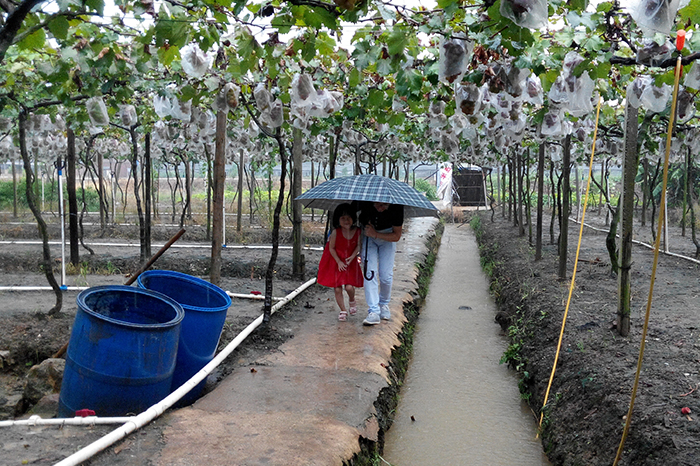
<point x="372" y="188"/>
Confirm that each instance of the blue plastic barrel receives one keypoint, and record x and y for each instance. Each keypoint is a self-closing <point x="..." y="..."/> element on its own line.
<point x="121" y="353"/>
<point x="205" y="307"/>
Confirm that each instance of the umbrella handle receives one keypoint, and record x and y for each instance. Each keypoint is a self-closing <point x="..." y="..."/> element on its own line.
<point x="371" y="276"/>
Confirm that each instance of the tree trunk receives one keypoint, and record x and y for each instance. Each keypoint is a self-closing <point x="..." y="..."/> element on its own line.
<point x="527" y="194"/>
<point x="218" y="197"/>
<point x="498" y="183"/>
<point x="72" y="200"/>
<point x="611" y="240"/>
<point x="47" y="263"/>
<point x="333" y="152"/>
<point x="511" y="192"/>
<point x="629" y="172"/>
<point x="540" y="201"/>
<point x="297" y="235"/>
<point x="503" y="190"/>
<point x="269" y="274"/>
<point x="188" y="193"/>
<point x="520" y="174"/>
<point x="101" y="192"/>
<point x="143" y="257"/>
<point x="577" y="183"/>
<point x="556" y="203"/>
<point x="566" y="201"/>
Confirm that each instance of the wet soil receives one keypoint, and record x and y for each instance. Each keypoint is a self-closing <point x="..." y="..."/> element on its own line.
<point x="592" y="386"/>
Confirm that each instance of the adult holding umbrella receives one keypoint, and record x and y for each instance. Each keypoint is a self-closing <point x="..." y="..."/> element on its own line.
<point x="384" y="203"/>
<point x="383" y="225"/>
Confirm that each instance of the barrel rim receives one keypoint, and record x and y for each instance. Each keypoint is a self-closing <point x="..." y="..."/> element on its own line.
<point x="179" y="311"/>
<point x="192" y="279"/>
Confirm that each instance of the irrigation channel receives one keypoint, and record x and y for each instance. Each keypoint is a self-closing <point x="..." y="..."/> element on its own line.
<point x="458" y="404"/>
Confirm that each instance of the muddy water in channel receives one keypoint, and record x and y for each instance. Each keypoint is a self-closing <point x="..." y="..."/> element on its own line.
<point x="458" y="405"/>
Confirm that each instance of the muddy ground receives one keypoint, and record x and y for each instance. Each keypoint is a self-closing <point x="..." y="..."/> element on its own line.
<point x="592" y="385"/>
<point x="593" y="382"/>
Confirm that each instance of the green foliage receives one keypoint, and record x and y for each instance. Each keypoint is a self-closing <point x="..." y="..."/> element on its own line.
<point x="427" y="188"/>
<point x="50" y="196"/>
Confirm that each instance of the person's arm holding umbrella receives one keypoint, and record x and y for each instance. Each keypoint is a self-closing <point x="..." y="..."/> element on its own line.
<point x="392" y="237"/>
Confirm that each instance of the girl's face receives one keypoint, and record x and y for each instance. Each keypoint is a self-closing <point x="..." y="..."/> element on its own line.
<point x="345" y="221"/>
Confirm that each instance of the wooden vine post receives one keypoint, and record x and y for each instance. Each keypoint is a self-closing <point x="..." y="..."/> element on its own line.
<point x="540" y="201"/>
<point x="219" y="178"/>
<point x="565" y="202"/>
<point x="629" y="172"/>
<point x="297" y="236"/>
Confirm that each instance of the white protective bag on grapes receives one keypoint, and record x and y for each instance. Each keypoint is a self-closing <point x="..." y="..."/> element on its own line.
<point x="454" y="58"/>
<point x="303" y="91"/>
<point x="636" y="88"/>
<point x="530" y="14"/>
<point x="533" y="90"/>
<point x="162" y="106"/>
<point x="685" y="106"/>
<point x="182" y="110"/>
<point x="276" y="114"/>
<point x="127" y="113"/>
<point x="194" y="61"/>
<point x="262" y="96"/>
<point x="692" y="79"/>
<point x="653" y="54"/>
<point x="468" y="98"/>
<point x="580" y="100"/>
<point x="551" y="125"/>
<point x="97" y="111"/>
<point x="654" y="98"/>
<point x="654" y="16"/>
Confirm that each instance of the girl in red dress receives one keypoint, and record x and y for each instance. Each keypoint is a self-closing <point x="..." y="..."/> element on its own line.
<point x="340" y="263"/>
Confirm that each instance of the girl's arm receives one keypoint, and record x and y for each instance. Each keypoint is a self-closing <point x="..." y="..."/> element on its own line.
<point x="356" y="252"/>
<point x="331" y="248"/>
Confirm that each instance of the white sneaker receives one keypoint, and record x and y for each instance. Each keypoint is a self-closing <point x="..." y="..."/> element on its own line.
<point x="384" y="312"/>
<point x="372" y="319"/>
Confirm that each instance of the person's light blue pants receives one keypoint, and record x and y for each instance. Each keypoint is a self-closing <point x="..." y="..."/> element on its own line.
<point x="380" y="263"/>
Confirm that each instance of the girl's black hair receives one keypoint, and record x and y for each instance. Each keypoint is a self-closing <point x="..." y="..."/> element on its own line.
<point x="344" y="209"/>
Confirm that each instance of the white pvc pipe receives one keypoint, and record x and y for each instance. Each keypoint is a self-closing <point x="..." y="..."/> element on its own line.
<point x="156" y="410"/>
<point x="41" y="288"/>
<point x="250" y="296"/>
<point x="75" y="421"/>
<point x="114" y="196"/>
<point x="61" y="215"/>
<point x="184" y="246"/>
<point x="641" y="243"/>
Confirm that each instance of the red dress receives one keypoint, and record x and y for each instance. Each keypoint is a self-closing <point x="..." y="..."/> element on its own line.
<point x="328" y="272"/>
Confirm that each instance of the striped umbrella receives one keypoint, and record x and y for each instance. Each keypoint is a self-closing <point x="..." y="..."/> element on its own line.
<point x="372" y="188"/>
